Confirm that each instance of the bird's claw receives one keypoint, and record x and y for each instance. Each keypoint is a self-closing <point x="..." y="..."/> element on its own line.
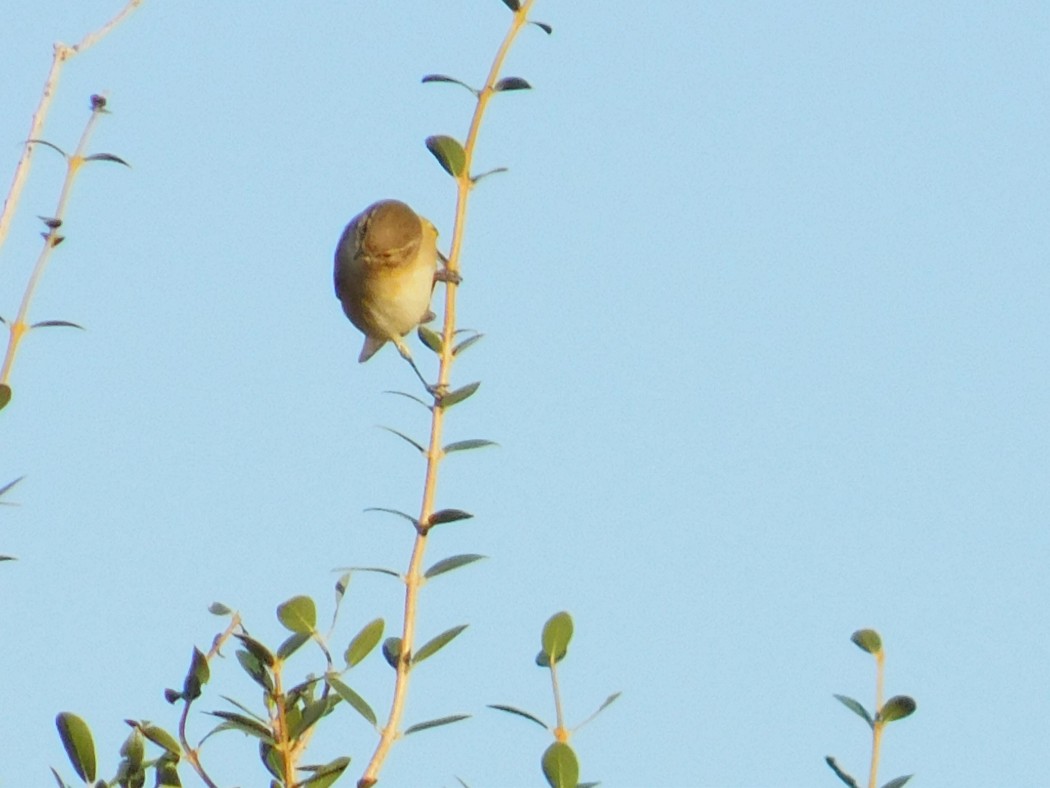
<point x="448" y="276"/>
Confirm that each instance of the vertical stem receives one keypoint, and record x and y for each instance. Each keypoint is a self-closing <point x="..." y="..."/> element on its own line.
<point x="62" y="53"/>
<point x="20" y="326"/>
<point x="435" y="454"/>
<point x="876" y="729"/>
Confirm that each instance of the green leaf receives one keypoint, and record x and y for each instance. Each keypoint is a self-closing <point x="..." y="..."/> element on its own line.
<point x="437" y="643"/>
<point x="55" y="323"/>
<point x="161" y="738"/>
<point x="487" y="173"/>
<point x="457" y="396"/>
<point x="312" y="714"/>
<point x="340" y="587"/>
<point x="80" y="747"/>
<point x="450" y="563"/>
<point x="196" y="677"/>
<point x="543" y="26"/>
<point x="422" y="726"/>
<point x="255" y="669"/>
<point x="447" y="516"/>
<point x="465" y="344"/>
<point x="412" y="397"/>
<point x="257" y="650"/>
<point x="5" y="395"/>
<point x="897" y="708"/>
<point x="246" y="725"/>
<point x="856" y="708"/>
<point x="408" y="517"/>
<point x="513" y="5"/>
<point x="378" y="569"/>
<point x="404" y="437"/>
<point x="134" y="748"/>
<point x="560" y="766"/>
<point x="867" y="640"/>
<point x="324" y="776"/>
<point x="600" y="709"/>
<point x="293" y="643"/>
<point x="844" y="776"/>
<point x="106" y="157"/>
<point x="9" y="485"/>
<point x="430" y="338"/>
<point x="298" y="615"/>
<point x="50" y="145"/>
<point x="520" y="713"/>
<point x="897" y="782"/>
<point x="474" y="443"/>
<point x="167" y="773"/>
<point x="557" y="633"/>
<point x="219" y="609"/>
<point x="443" y="78"/>
<point x="364" y="641"/>
<point x="356" y="701"/>
<point x="449" y="153"/>
<point x="392" y="651"/>
<point x="512" y="83"/>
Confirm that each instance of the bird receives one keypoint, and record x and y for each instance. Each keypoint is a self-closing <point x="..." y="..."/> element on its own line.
<point x="385" y="269"/>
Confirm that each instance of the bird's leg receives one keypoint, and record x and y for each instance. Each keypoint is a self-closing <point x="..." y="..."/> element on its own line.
<point x="434" y="391"/>
<point x="445" y="275"/>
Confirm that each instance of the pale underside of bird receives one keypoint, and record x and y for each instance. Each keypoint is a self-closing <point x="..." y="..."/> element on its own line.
<point x="385" y="267"/>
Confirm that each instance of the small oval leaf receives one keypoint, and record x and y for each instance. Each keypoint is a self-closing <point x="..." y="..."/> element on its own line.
<point x="356" y="701"/>
<point x="557" y="633"/>
<point x="457" y="396"/>
<point x="298" y="614"/>
<point x="519" y="712"/>
<point x="474" y="443"/>
<point x="5" y="395"/>
<point x="292" y="643"/>
<point x="867" y="640"/>
<point x="898" y="782"/>
<point x="364" y="641"/>
<point x="543" y="26"/>
<point x="512" y="83"/>
<point x="404" y="437"/>
<point x="219" y="609"/>
<point x="897" y="708"/>
<point x="80" y="747"/>
<point x="449" y="153"/>
<point x="447" y="516"/>
<point x="437" y="643"/>
<point x="465" y="344"/>
<point x="856" y="708"/>
<point x="53" y="323"/>
<point x="392" y="651"/>
<point x="842" y="775"/>
<point x="450" y="563"/>
<point x="422" y="726"/>
<point x="430" y="338"/>
<point x="196" y="677"/>
<point x="560" y="766"/>
<point x="513" y="5"/>
<point x="106" y="157"/>
<point x="161" y="738"/>
<point x="451" y="80"/>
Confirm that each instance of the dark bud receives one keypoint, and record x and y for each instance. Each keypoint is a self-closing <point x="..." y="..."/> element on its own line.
<point x="98" y="103"/>
<point x="51" y="222"/>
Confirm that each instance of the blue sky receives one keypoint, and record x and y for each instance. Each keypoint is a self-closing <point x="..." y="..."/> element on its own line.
<point x="764" y="294"/>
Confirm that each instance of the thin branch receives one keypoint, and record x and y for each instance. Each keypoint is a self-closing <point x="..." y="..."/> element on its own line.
<point x="414" y="577"/>
<point x="62" y="53"/>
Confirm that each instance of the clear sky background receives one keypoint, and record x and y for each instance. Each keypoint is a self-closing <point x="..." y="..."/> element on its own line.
<point x="765" y="300"/>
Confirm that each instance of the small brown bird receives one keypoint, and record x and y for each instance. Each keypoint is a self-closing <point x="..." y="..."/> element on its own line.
<point x="385" y="267"/>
